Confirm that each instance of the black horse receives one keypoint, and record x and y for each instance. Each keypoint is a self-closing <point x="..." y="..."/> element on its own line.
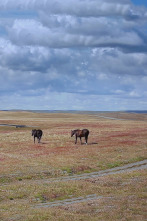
<point x="80" y="134"/>
<point x="37" y="133"/>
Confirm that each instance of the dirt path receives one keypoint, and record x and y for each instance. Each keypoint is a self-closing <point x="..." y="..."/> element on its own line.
<point x="117" y="170"/>
<point x="123" y="169"/>
<point x="110" y="118"/>
<point x="131" y="116"/>
<point x="69" y="201"/>
<point x="127" y="168"/>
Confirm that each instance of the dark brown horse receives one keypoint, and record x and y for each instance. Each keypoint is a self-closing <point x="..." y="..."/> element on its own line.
<point x="80" y="134"/>
<point x="37" y="133"/>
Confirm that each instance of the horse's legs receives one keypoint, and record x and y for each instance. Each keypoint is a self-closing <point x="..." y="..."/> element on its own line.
<point x="81" y="140"/>
<point x="76" y="140"/>
<point x="39" y="138"/>
<point x="86" y="139"/>
<point x="34" y="139"/>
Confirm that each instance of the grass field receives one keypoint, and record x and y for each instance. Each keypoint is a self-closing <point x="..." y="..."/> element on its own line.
<point x="24" y="166"/>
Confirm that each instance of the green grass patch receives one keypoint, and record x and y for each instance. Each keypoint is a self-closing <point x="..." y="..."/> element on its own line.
<point x="115" y="164"/>
<point x="5" y="179"/>
<point x="136" y="159"/>
<point x="67" y="170"/>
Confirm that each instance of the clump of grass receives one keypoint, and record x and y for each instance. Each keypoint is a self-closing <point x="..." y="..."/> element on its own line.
<point x="4" y="180"/>
<point x="109" y="165"/>
<point x="114" y="164"/>
<point x="136" y="159"/>
<point x="19" y="178"/>
<point x="77" y="169"/>
<point x="67" y="170"/>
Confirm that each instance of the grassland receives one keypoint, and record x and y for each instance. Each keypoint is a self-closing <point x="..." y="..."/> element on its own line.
<point x="24" y="166"/>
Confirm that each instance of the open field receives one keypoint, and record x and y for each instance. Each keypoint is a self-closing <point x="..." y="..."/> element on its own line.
<point x="26" y="167"/>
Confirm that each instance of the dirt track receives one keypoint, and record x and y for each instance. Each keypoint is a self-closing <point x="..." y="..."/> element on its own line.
<point x="127" y="168"/>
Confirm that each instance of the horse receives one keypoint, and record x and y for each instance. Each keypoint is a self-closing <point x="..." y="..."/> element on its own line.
<point x="37" y="133"/>
<point x="80" y="134"/>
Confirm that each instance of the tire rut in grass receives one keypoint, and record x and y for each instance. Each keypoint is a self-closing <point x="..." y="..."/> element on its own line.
<point x="127" y="168"/>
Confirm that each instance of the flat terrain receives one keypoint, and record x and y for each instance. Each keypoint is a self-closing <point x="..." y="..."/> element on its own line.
<point x="36" y="178"/>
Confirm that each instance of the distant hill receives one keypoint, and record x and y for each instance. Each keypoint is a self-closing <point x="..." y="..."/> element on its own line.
<point x="80" y="111"/>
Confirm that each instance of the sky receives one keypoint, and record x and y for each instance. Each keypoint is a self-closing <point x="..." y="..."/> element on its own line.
<point x="73" y="55"/>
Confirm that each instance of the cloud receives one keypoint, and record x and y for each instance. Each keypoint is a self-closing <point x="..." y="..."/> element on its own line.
<point x="67" y="31"/>
<point x="82" y="8"/>
<point x="88" y="53"/>
<point x="85" y="24"/>
<point x="91" y="33"/>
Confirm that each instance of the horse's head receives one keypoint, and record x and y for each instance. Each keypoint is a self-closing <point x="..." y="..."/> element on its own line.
<point x="33" y="132"/>
<point x="72" y="132"/>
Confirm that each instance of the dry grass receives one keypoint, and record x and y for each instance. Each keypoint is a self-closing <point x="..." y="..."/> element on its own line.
<point x="123" y="199"/>
<point x="111" y="143"/>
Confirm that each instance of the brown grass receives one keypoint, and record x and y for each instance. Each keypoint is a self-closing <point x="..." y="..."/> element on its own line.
<point x="111" y="143"/>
